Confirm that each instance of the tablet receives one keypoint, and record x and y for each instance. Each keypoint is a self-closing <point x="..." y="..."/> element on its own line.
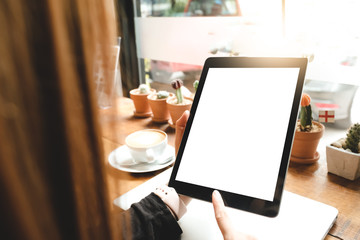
<point x="239" y="134"/>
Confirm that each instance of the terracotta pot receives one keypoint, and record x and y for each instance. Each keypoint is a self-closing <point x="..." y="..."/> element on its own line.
<point x="176" y="110"/>
<point x="305" y="145"/>
<point x="142" y="107"/>
<point x="159" y="108"/>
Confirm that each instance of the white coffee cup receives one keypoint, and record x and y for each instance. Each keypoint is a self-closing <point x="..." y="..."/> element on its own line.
<point x="146" y="146"/>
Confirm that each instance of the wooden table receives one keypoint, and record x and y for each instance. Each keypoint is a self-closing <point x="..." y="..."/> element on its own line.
<point x="312" y="181"/>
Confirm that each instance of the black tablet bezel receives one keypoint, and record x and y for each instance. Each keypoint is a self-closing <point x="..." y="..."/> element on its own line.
<point x="250" y="204"/>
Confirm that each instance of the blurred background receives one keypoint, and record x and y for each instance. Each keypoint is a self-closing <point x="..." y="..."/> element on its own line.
<point x="164" y="40"/>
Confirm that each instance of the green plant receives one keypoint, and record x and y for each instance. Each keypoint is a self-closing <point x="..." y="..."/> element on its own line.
<point x="147" y="81"/>
<point x="353" y="138"/>
<point x="176" y="84"/>
<point x="144" y="88"/>
<point x="305" y="114"/>
<point x="162" y="94"/>
<point x="196" y="84"/>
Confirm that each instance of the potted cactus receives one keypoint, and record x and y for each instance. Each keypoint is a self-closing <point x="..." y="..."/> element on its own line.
<point x="177" y="105"/>
<point x="196" y="85"/>
<point x="192" y="95"/>
<point x="343" y="156"/>
<point x="158" y="106"/>
<point x="307" y="135"/>
<point x="139" y="97"/>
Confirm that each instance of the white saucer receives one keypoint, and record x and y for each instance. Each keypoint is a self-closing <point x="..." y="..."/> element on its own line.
<point x="121" y="159"/>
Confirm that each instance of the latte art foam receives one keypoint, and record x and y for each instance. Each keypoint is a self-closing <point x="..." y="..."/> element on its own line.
<point x="145" y="139"/>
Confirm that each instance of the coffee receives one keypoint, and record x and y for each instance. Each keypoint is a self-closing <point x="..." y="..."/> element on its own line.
<point x="145" y="138"/>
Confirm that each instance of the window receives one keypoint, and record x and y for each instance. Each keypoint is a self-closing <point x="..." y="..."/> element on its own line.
<point x="212" y="8"/>
<point x="174" y="37"/>
<point x="328" y="32"/>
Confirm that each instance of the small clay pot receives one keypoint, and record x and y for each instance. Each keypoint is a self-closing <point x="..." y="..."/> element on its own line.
<point x="305" y="145"/>
<point x="343" y="163"/>
<point x="176" y="110"/>
<point x="142" y="107"/>
<point x="159" y="108"/>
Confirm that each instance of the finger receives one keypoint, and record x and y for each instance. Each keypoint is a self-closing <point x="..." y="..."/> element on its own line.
<point x="221" y="216"/>
<point x="180" y="128"/>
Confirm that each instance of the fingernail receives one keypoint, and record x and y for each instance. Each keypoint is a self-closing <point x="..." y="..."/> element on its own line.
<point x="218" y="204"/>
<point x="216" y="193"/>
<point x="218" y="198"/>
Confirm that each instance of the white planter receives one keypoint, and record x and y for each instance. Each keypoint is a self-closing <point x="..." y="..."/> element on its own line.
<point x="343" y="163"/>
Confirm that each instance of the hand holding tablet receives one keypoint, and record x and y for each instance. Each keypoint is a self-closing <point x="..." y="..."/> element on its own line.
<point x="180" y="129"/>
<point x="244" y="150"/>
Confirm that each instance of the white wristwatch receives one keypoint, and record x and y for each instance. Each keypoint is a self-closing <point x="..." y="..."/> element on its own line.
<point x="172" y="200"/>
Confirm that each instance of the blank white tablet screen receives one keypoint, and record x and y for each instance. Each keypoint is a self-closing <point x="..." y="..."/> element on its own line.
<point x="238" y="133"/>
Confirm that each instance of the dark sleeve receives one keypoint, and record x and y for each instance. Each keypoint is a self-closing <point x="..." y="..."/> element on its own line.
<point x="150" y="219"/>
